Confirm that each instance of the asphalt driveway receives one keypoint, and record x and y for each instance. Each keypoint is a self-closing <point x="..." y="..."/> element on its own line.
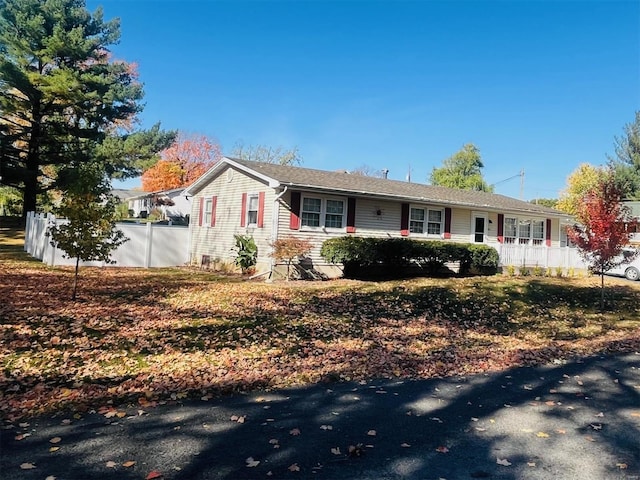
<point x="576" y="420"/>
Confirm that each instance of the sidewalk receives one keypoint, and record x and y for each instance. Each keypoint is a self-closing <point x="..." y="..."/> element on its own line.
<point x="578" y="420"/>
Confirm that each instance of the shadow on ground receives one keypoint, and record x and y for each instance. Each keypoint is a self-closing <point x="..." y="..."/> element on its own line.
<point x="574" y="420"/>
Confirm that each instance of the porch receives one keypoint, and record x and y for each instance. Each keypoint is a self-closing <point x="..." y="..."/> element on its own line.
<point x="539" y="256"/>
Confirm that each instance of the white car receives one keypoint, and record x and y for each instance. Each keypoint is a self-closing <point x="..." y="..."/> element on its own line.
<point x="630" y="268"/>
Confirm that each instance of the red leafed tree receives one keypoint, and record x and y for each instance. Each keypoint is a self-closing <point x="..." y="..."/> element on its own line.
<point x="182" y="163"/>
<point x="605" y="227"/>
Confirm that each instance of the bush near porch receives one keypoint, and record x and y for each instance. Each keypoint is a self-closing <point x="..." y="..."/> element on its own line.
<point x="364" y="257"/>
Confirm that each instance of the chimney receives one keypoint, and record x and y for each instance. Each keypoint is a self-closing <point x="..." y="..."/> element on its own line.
<point x="385" y="172"/>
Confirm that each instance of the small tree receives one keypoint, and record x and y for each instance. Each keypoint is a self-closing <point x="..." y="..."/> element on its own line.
<point x="246" y="252"/>
<point x="605" y="227"/>
<point x="288" y="249"/>
<point x="90" y="232"/>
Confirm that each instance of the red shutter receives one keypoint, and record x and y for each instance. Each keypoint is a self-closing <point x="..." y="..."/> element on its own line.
<point x="201" y="211"/>
<point x="214" y="203"/>
<point x="500" y="228"/>
<point x="260" y="209"/>
<point x="351" y="215"/>
<point x="294" y="221"/>
<point x="548" y="232"/>
<point x="447" y="222"/>
<point x="404" y="220"/>
<point x="243" y="210"/>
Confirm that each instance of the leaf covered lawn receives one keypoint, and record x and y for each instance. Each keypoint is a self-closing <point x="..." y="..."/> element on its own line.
<point x="147" y="336"/>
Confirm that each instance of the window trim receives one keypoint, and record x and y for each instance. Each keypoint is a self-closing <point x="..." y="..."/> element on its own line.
<point x="425" y="227"/>
<point x="207" y="210"/>
<point x="323" y="213"/>
<point x="250" y="196"/>
<point x="531" y="240"/>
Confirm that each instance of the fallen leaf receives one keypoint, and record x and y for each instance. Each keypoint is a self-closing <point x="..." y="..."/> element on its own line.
<point x="336" y="451"/>
<point x="326" y="427"/>
<point x="111" y="464"/>
<point x="503" y="461"/>
<point x="55" y="440"/>
<point x="600" y="414"/>
<point x="251" y="462"/>
<point x="153" y="475"/>
<point x="561" y="431"/>
<point x="442" y="449"/>
<point x="128" y="464"/>
<point x="622" y="466"/>
<point x="50" y="477"/>
<point x="294" y="432"/>
<point x="542" y="435"/>
<point x="294" y="468"/>
<point x="531" y="464"/>
<point x="54" y="449"/>
<point x="550" y="403"/>
<point x="405" y="445"/>
<point x="27" y="466"/>
<point x="372" y="433"/>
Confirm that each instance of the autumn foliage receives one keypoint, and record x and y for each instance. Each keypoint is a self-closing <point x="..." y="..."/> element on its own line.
<point x="182" y="163"/>
<point x="145" y="337"/>
<point x="605" y="226"/>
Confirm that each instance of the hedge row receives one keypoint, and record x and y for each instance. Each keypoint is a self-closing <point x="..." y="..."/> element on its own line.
<point x="362" y="256"/>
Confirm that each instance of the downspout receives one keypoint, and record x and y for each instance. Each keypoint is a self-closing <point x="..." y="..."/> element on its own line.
<point x="275" y="222"/>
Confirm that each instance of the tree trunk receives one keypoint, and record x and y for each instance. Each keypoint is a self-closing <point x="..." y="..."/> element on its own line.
<point x="602" y="290"/>
<point x="75" y="280"/>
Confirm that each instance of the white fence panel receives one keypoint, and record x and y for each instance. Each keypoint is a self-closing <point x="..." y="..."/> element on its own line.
<point x="149" y="245"/>
<point x="531" y="256"/>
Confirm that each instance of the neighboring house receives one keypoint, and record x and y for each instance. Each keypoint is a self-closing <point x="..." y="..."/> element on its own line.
<point x="172" y="203"/>
<point x="634" y="207"/>
<point x="270" y="201"/>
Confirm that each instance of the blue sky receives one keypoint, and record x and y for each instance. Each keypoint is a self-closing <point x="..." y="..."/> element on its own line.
<point x="536" y="85"/>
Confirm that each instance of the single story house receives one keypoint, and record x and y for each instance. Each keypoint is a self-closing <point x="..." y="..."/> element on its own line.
<point x="171" y="203"/>
<point x="270" y="201"/>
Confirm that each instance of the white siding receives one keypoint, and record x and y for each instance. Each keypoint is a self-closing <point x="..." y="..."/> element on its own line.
<point x="218" y="241"/>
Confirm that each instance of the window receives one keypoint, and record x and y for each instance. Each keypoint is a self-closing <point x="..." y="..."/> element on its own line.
<point x="434" y="227"/>
<point x="523" y="231"/>
<point x="537" y="237"/>
<point x="319" y="212"/>
<point x="252" y="209"/>
<point x="208" y="210"/>
<point x="335" y="214"/>
<point x="433" y="219"/>
<point x="311" y="210"/>
<point x="416" y="220"/>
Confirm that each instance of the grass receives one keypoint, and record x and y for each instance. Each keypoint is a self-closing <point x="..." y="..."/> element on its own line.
<point x="142" y="335"/>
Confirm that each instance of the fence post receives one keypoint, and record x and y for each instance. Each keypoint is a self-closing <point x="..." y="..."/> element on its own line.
<point x="51" y="220"/>
<point x="149" y="239"/>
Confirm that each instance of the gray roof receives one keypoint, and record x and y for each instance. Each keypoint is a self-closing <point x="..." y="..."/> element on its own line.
<point x="352" y="184"/>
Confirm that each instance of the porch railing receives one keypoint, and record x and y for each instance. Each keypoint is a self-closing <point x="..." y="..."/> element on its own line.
<point x="541" y="256"/>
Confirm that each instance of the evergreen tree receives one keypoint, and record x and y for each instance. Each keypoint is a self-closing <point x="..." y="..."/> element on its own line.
<point x="626" y="163"/>
<point x="63" y="99"/>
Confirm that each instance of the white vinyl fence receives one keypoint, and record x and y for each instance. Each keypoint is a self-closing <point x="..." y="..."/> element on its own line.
<point x="541" y="256"/>
<point x="149" y="245"/>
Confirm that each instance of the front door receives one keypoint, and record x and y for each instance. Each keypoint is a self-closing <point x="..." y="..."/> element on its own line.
<point x="479" y="226"/>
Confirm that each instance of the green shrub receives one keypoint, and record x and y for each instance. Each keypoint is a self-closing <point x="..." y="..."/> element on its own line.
<point x="559" y="272"/>
<point x="537" y="271"/>
<point x="246" y="252"/>
<point x="510" y="270"/>
<point x="399" y="256"/>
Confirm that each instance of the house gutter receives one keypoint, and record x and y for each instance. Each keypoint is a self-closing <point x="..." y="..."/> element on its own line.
<point x="275" y="222"/>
